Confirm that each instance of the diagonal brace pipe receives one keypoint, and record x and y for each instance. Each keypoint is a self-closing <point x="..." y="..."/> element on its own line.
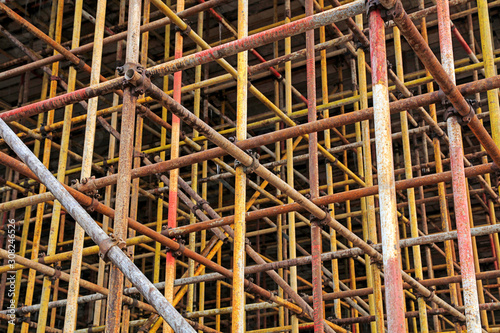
<point x="117" y="256"/>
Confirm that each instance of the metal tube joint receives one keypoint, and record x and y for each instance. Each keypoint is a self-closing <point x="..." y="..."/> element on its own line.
<point x="136" y="77"/>
<point x="372" y="5"/>
<point x="252" y="166"/>
<point x="106" y="244"/>
<point x="386" y="4"/>
<point x="463" y="120"/>
<point x="179" y="251"/>
<point x="321" y="221"/>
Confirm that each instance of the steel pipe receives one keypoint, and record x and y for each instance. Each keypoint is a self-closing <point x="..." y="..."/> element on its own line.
<point x="150" y="293"/>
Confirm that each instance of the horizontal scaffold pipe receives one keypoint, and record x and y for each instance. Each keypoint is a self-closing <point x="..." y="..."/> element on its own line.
<point x="52" y="272"/>
<point x="327" y="256"/>
<point x="222" y="78"/>
<point x="293" y="132"/>
<point x="332" y="198"/>
<point x="35" y="199"/>
<point x="447" y="85"/>
<point x="62" y="100"/>
<point x="324" y="200"/>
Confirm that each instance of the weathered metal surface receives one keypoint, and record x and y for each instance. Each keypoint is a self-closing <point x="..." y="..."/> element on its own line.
<point x="463" y="227"/>
<point x="291" y="132"/>
<point x="461" y="207"/>
<point x="62" y="100"/>
<point x="316" y="242"/>
<point x="394" y="296"/>
<point x="239" y="323"/>
<point x="122" y="201"/>
<point x="76" y="260"/>
<point x="273" y="211"/>
<point x="266" y="37"/>
<point x="439" y="73"/>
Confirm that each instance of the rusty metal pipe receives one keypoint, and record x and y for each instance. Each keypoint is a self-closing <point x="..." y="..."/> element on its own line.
<point x="316" y="240"/>
<point x="248" y="248"/>
<point x="442" y="281"/>
<point x="126" y="152"/>
<point x="273" y="211"/>
<point x="57" y="274"/>
<point x="412" y="314"/>
<point x="328" y="199"/>
<point x="394" y="296"/>
<point x="246" y="160"/>
<point x="296" y="131"/>
<point x="139" y="227"/>
<point x="450" y="90"/>
<point x="353" y="252"/>
<point x="62" y="100"/>
<point x="460" y="193"/>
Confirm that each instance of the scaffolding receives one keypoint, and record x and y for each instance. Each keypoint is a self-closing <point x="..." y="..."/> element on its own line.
<point x="249" y="166"/>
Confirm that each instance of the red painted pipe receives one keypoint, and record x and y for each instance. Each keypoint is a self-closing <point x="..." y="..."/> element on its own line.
<point x="460" y="195"/>
<point x="316" y="241"/>
<point x="62" y="100"/>
<point x="394" y="294"/>
<point x="461" y="40"/>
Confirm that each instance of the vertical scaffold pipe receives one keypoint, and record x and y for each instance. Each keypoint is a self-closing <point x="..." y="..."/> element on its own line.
<point x="394" y="296"/>
<point x="317" y="282"/>
<point x="238" y="318"/>
<point x="458" y="181"/>
<point x="88" y="154"/>
<point x="489" y="67"/>
<point x="122" y="202"/>
<point x="174" y="174"/>
<point x="292" y="250"/>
